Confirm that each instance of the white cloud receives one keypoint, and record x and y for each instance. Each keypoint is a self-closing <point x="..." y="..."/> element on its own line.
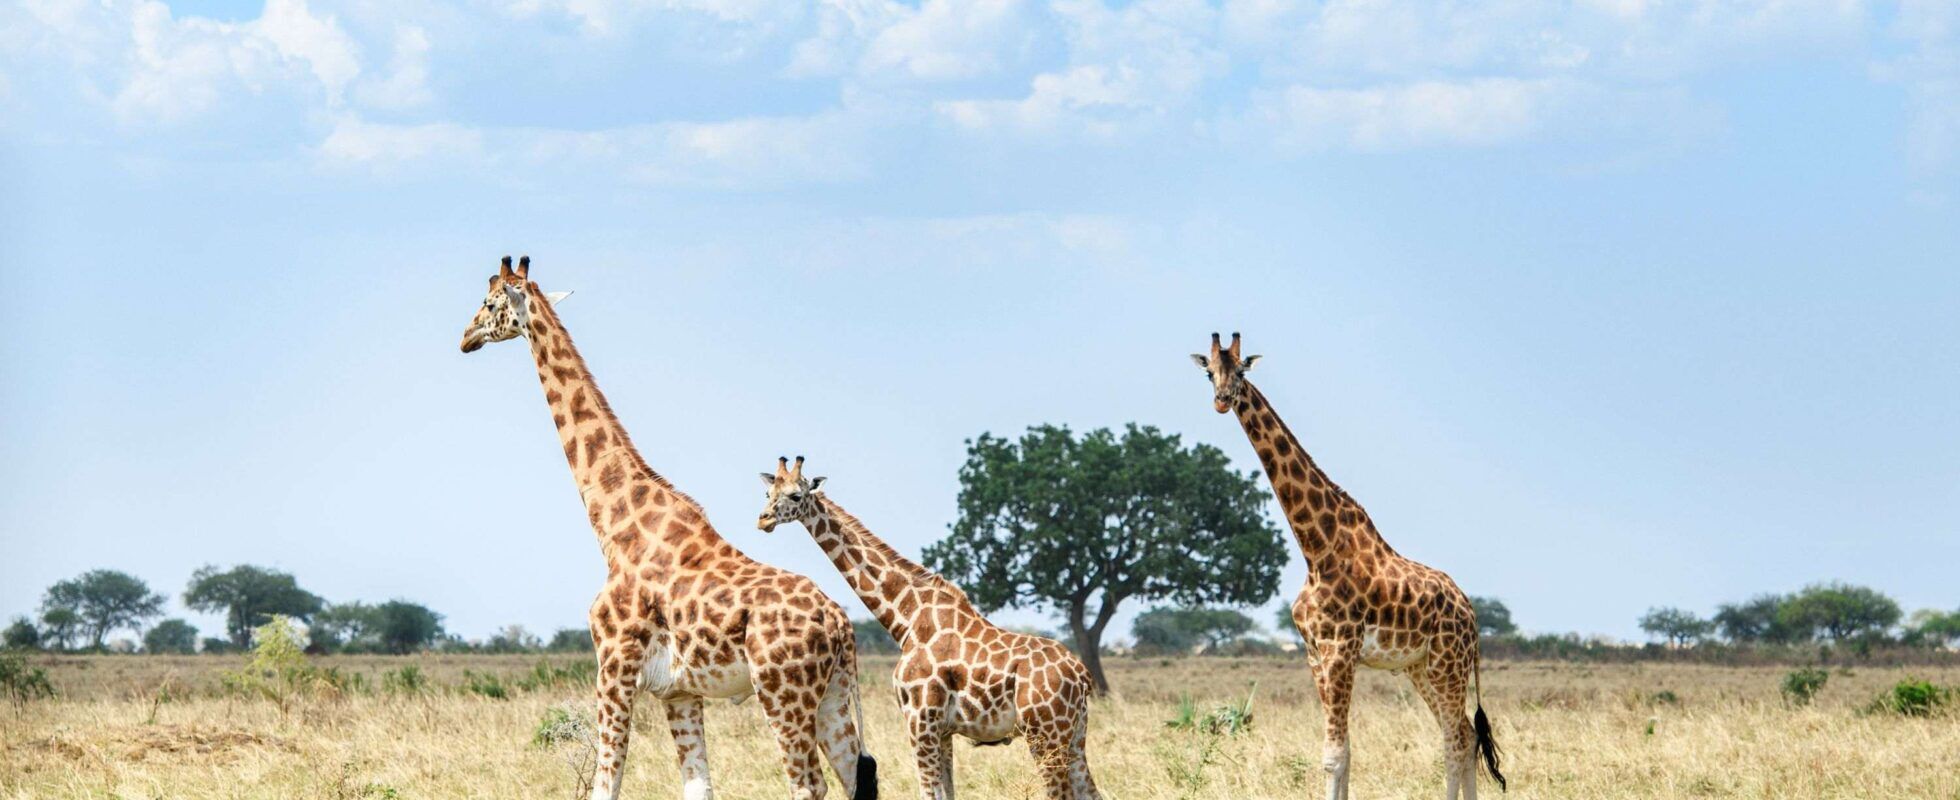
<point x="741" y="154"/>
<point x="949" y="39"/>
<point x="356" y="142"/>
<point x="406" y="83"/>
<point x="1480" y="112"/>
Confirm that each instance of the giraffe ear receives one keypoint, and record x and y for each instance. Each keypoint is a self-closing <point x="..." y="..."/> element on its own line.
<point x="1202" y="362"/>
<point x="768" y="479"/>
<point x="554" y="297"/>
<point x="1246" y="365"/>
<point x="816" y="482"/>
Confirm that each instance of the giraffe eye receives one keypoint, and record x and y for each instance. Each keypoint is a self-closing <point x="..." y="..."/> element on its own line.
<point x="797" y="496"/>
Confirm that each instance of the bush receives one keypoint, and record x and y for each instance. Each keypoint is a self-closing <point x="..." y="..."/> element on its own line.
<point x="1912" y="698"/>
<point x="485" y="684"/>
<point x="21" y="682"/>
<point x="546" y="676"/>
<point x="279" y="670"/>
<point x="407" y="680"/>
<point x="1800" y="685"/>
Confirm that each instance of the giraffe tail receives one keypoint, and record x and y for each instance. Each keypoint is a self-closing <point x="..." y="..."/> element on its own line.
<point x="867" y="767"/>
<point x="1486" y="743"/>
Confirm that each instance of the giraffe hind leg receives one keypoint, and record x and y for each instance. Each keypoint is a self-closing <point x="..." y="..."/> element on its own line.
<point x="792" y="711"/>
<point x="1443" y="693"/>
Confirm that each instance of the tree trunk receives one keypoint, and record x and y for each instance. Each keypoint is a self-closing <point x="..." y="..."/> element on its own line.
<point x="1088" y="644"/>
<point x="1088" y="635"/>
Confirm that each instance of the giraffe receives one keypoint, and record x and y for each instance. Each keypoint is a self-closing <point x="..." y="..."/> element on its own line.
<point x="1363" y="605"/>
<point x="683" y="614"/>
<point x="957" y="673"/>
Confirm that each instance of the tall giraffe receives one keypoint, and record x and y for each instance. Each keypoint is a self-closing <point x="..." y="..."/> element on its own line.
<point x="683" y="614"/>
<point x="957" y="673"/>
<point x="1363" y="603"/>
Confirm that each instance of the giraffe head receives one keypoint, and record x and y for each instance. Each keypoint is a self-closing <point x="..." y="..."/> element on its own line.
<point x="1226" y="370"/>
<point x="792" y="497"/>
<point x="505" y="312"/>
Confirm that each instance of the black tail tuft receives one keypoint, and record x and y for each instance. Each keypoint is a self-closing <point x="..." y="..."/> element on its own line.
<point x="1487" y="747"/>
<point x="867" y="778"/>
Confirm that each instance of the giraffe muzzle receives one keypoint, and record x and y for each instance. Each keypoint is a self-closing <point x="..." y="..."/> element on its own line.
<point x="766" y="524"/>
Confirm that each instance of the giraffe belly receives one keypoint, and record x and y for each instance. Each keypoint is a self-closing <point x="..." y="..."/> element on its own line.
<point x="667" y="674"/>
<point x="986" y="725"/>
<point x="1381" y="651"/>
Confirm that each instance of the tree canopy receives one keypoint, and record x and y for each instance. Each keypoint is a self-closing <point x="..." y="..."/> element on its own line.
<point x="1078" y="525"/>
<point x="405" y="627"/>
<point x="249" y="596"/>
<point x="1493" y="617"/>
<point x="1839" y="611"/>
<point x="102" y="601"/>
<point x="1677" y="626"/>
<point x="171" y="636"/>
<point x="1181" y="629"/>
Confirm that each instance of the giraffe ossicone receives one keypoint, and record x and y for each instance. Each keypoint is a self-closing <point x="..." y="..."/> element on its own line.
<point x="1363" y="604"/>
<point x="683" y="614"/>
<point x="958" y="674"/>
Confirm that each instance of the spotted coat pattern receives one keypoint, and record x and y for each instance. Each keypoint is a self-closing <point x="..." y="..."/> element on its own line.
<point x="1363" y="604"/>
<point x="683" y="614"/>
<point x="957" y="673"/>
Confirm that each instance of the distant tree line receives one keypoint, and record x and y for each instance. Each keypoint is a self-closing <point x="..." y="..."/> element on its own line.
<point x="1835" y="613"/>
<point x="79" y="615"/>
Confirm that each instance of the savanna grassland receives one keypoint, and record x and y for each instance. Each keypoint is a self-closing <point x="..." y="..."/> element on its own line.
<point x="166" y="727"/>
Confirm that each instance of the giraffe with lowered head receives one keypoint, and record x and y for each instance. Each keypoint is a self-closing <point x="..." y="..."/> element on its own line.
<point x="1364" y="604"/>
<point x="957" y="673"/>
<point x="683" y="614"/>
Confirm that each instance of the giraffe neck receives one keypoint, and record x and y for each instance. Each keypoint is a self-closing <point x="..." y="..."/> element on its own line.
<point x="1330" y="525"/>
<point x="607" y="468"/>
<point x="908" y="599"/>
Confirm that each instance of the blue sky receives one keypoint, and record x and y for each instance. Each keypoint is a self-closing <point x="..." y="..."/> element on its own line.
<point x="1595" y="305"/>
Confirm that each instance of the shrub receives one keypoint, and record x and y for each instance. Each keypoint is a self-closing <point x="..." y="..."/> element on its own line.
<point x="546" y="676"/>
<point x="21" y="682"/>
<point x="485" y="684"/>
<point x="1912" y="698"/>
<point x="407" y="680"/>
<point x="279" y="670"/>
<point x="1800" y="685"/>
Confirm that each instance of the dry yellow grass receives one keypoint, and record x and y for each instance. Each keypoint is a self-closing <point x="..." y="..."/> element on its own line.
<point x="1569" y="731"/>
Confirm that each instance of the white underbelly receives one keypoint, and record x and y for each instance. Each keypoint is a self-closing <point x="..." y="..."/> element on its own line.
<point x="666" y="675"/>
<point x="986" y="725"/>
<point x="1378" y="654"/>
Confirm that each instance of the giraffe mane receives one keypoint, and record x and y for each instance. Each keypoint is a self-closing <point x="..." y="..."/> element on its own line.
<point x="862" y="536"/>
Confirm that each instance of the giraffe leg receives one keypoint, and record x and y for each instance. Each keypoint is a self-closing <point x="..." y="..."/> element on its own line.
<point x="619" y="674"/>
<point x="1051" y="761"/>
<point x="792" y="709"/>
<point x="932" y="747"/>
<point x="690" y="746"/>
<point x="1078" y="764"/>
<point x="1445" y="700"/>
<point x="1334" y="678"/>
<point x="837" y="728"/>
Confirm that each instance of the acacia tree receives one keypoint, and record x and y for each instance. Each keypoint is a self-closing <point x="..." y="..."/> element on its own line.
<point x="1493" y="617"/>
<point x="104" y="600"/>
<point x="171" y="636"/>
<point x="249" y="596"/>
<point x="1679" y="627"/>
<point x="1173" y="629"/>
<point x="1079" y="525"/>
<point x="1840" y="611"/>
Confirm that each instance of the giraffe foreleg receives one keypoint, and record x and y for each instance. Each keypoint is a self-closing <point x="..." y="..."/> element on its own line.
<point x="619" y="672"/>
<point x="932" y="745"/>
<point x="1334" y="679"/>
<point x="690" y="746"/>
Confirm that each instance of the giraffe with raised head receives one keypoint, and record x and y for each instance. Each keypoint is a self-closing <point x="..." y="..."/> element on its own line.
<point x="1364" y="604"/>
<point x="683" y="614"/>
<point x="957" y="673"/>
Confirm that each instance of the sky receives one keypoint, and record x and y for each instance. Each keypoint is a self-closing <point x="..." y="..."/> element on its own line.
<point x="1596" y="305"/>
